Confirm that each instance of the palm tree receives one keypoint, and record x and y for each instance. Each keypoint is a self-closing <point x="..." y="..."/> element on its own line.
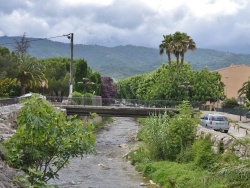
<point x="245" y="90"/>
<point x="167" y="45"/>
<point x="187" y="44"/>
<point x="177" y="44"/>
<point x="30" y="72"/>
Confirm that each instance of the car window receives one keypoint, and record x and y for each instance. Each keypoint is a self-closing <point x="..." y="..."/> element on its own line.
<point x="219" y="118"/>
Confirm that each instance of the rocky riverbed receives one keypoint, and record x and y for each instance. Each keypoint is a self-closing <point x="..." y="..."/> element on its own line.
<point x="107" y="168"/>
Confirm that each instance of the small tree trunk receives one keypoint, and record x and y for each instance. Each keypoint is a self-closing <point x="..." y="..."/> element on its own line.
<point x="169" y="58"/>
<point x="23" y="87"/>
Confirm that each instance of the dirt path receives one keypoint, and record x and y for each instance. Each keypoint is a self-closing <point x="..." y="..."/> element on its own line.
<point x="107" y="169"/>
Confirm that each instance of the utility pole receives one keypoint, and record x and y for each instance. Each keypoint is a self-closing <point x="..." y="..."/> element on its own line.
<point x="71" y="37"/>
<point x="71" y="64"/>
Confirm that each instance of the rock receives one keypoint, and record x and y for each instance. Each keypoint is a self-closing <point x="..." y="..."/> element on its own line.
<point x="143" y="184"/>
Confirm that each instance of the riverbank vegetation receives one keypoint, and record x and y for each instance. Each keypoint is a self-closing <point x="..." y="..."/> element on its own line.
<point x="170" y="154"/>
<point x="44" y="142"/>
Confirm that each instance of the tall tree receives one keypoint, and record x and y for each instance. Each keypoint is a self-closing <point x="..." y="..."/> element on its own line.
<point x="22" y="46"/>
<point x="187" y="43"/>
<point x="176" y="44"/>
<point x="167" y="46"/>
<point x="30" y="72"/>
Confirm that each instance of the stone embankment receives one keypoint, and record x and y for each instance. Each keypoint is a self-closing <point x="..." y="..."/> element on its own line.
<point x="8" y="126"/>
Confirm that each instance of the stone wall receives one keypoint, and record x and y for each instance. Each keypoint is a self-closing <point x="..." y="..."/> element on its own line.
<point x="8" y="115"/>
<point x="221" y="139"/>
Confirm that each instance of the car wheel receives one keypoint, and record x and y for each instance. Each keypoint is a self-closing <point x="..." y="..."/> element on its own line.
<point x="225" y="131"/>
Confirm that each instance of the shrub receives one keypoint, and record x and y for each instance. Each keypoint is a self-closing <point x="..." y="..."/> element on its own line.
<point x="88" y="99"/>
<point x="45" y="140"/>
<point x="167" y="137"/>
<point x="203" y="154"/>
<point x="230" y="103"/>
<point x="76" y="98"/>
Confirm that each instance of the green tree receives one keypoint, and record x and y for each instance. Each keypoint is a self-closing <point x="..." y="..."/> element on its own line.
<point x="45" y="140"/>
<point x="245" y="90"/>
<point x="167" y="46"/>
<point x="176" y="44"/>
<point x="182" y="42"/>
<point x="30" y="72"/>
<point x="57" y="73"/>
<point x="81" y="71"/>
<point x="165" y="84"/>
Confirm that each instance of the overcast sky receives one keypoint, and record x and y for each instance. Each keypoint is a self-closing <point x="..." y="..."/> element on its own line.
<point x="215" y="24"/>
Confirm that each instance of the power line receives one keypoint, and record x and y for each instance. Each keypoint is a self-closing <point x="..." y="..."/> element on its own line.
<point x="11" y="43"/>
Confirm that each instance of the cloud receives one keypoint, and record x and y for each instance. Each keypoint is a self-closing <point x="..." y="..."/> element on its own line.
<point x="211" y="23"/>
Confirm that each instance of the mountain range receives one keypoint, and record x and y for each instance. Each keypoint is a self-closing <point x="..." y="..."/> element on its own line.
<point x="123" y="61"/>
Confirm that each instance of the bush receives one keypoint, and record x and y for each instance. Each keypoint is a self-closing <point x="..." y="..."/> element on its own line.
<point x="202" y="151"/>
<point x="76" y="98"/>
<point x="167" y="137"/>
<point x="230" y="103"/>
<point x="45" y="140"/>
<point x="88" y="99"/>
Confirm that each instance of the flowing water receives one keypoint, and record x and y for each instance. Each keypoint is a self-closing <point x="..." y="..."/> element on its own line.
<point x="108" y="168"/>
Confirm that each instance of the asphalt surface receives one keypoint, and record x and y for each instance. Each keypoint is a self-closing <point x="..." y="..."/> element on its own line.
<point x="239" y="126"/>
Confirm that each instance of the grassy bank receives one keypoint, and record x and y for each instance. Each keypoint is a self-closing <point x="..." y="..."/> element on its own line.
<point x="170" y="154"/>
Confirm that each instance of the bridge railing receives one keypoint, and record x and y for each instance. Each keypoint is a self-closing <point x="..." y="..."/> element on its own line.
<point x="99" y="101"/>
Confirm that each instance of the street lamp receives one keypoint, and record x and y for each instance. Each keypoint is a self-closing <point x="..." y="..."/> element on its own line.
<point x="226" y="85"/>
<point x="71" y="37"/>
<point x="85" y="82"/>
<point x="186" y="86"/>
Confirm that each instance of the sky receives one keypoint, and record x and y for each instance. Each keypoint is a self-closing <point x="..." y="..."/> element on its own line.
<point x="213" y="24"/>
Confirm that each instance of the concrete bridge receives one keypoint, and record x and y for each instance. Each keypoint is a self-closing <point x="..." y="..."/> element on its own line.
<point x="115" y="111"/>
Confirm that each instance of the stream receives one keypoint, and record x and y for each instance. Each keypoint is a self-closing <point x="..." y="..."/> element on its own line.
<point x="107" y="168"/>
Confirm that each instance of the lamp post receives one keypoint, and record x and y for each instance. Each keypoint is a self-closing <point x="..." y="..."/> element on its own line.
<point x="85" y="82"/>
<point x="71" y="37"/>
<point x="226" y="85"/>
<point x="186" y="86"/>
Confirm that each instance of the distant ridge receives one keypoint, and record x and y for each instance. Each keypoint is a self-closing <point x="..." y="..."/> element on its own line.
<point x="123" y="61"/>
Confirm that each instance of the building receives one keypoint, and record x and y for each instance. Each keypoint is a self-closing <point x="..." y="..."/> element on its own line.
<point x="233" y="77"/>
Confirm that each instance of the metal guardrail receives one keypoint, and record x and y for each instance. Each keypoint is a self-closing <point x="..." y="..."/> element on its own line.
<point x="6" y="102"/>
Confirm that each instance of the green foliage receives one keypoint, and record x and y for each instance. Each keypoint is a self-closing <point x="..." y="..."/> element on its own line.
<point x="166" y="138"/>
<point x="81" y="67"/>
<point x="165" y="84"/>
<point x="177" y="44"/>
<point x="245" y="90"/>
<point x="124" y="61"/>
<point x="88" y="99"/>
<point x="57" y="74"/>
<point x="234" y="175"/>
<point x="45" y="140"/>
<point x="230" y="103"/>
<point x="139" y="156"/>
<point x="30" y="72"/>
<point x="9" y="87"/>
<point x="203" y="154"/>
<point x="171" y="174"/>
<point x="77" y="98"/>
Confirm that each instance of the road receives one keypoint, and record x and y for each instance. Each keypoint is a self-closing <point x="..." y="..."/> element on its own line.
<point x="237" y="124"/>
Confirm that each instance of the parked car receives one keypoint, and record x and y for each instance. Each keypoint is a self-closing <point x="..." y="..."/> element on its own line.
<point x="27" y="95"/>
<point x="216" y="122"/>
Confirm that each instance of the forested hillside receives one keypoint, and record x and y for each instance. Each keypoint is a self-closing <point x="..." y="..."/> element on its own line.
<point x="124" y="61"/>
